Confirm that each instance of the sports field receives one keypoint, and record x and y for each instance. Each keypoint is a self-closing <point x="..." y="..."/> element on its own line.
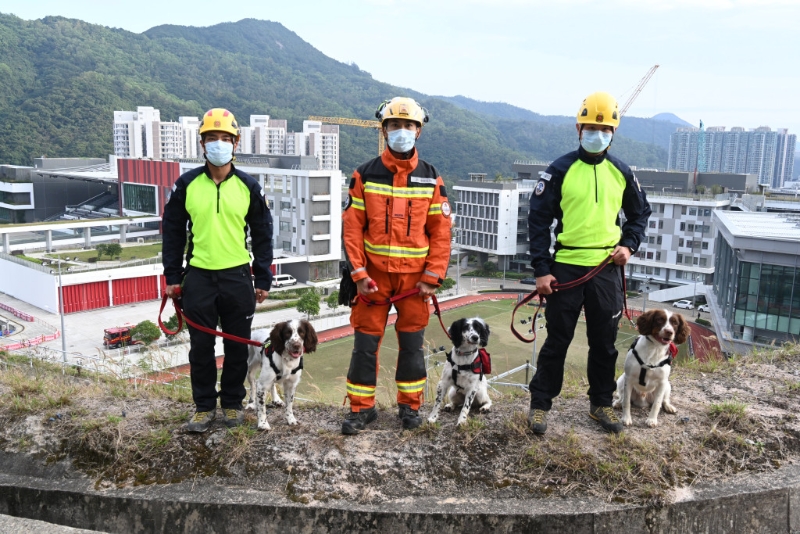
<point x="325" y="370"/>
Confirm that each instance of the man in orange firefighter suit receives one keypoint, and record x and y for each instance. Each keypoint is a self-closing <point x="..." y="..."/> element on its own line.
<point x="397" y="237"/>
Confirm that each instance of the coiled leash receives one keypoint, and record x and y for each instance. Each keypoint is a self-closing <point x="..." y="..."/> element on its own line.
<point x="176" y="302"/>
<point x="405" y="294"/>
<point x="568" y="285"/>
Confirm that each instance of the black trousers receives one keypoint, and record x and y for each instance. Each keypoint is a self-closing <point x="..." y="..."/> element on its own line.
<point x="601" y="299"/>
<point x="227" y="298"/>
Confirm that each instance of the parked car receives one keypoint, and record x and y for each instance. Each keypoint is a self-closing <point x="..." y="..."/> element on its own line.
<point x="704" y="308"/>
<point x="529" y="281"/>
<point x="280" y="280"/>
<point x="683" y="304"/>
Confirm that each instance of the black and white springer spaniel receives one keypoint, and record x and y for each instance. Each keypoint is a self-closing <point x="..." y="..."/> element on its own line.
<point x="280" y="362"/>
<point x="645" y="380"/>
<point x="463" y="379"/>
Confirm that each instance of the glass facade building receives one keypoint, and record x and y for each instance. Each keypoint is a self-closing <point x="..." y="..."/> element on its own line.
<point x="757" y="278"/>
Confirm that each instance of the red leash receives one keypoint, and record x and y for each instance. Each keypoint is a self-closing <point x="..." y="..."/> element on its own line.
<point x="181" y="316"/>
<point x="567" y="285"/>
<point x="436" y="311"/>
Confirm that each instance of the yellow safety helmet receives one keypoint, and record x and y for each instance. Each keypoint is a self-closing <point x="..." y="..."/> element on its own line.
<point x="401" y="107"/>
<point x="599" y="108"/>
<point x="219" y="120"/>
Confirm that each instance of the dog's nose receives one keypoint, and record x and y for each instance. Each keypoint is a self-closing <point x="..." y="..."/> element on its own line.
<point x="473" y="338"/>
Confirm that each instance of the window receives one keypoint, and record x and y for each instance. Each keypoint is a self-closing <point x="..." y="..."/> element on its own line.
<point x="657" y="271"/>
<point x="285" y="226"/>
<point x="651" y="240"/>
<point x="683" y="210"/>
<point x="287" y="246"/>
<point x="692" y="211"/>
<point x="680" y="244"/>
<point x="658" y="240"/>
<point x="706" y="212"/>
<point x="649" y="255"/>
<point x="141" y="198"/>
<point x="302" y="241"/>
<point x="683" y="227"/>
<point x="294" y="229"/>
<point x="680" y="258"/>
<point x="695" y="261"/>
<point x="651" y="224"/>
<point x="303" y="200"/>
<point x="703" y="262"/>
<point x="286" y="205"/>
<point x="661" y="224"/>
<point x="271" y="204"/>
<point x="648" y="270"/>
<point x="658" y="256"/>
<point x="705" y="245"/>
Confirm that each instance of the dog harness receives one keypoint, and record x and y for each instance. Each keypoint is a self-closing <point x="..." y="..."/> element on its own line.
<point x="267" y="351"/>
<point x="482" y="364"/>
<point x="673" y="351"/>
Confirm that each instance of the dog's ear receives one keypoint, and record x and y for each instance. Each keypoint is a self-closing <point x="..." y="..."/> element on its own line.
<point x="310" y="336"/>
<point x="457" y="332"/>
<point x="483" y="330"/>
<point x="644" y="324"/>
<point x="683" y="332"/>
<point x="276" y="338"/>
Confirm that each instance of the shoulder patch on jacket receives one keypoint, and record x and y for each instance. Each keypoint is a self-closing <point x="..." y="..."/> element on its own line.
<point x="348" y="201"/>
<point x="352" y="182"/>
<point x="443" y="191"/>
<point x="446" y="208"/>
<point x="545" y="175"/>
<point x="539" y="189"/>
<point x="422" y="180"/>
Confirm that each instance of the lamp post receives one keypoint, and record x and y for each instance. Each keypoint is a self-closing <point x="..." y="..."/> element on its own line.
<point x="61" y="312"/>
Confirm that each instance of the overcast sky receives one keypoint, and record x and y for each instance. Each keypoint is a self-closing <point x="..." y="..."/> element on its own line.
<point x="727" y="62"/>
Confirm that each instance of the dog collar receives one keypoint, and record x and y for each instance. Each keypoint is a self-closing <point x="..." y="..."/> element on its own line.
<point x="673" y="350"/>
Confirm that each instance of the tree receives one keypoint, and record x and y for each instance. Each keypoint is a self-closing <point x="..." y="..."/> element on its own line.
<point x="146" y="332"/>
<point x="447" y="283"/>
<point x="113" y="250"/>
<point x="490" y="267"/>
<point x="102" y="249"/>
<point x="171" y="324"/>
<point x="309" y="303"/>
<point x="333" y="300"/>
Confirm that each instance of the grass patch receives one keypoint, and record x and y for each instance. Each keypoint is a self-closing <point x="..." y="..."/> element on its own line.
<point x="730" y="410"/>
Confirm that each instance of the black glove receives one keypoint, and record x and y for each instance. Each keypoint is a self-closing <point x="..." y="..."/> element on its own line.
<point x="348" y="290"/>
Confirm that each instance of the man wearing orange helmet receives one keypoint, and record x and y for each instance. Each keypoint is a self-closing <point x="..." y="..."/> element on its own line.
<point x="397" y="237"/>
<point x="221" y="205"/>
<point x="584" y="192"/>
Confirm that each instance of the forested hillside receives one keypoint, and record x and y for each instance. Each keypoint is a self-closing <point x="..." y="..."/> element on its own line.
<point x="62" y="79"/>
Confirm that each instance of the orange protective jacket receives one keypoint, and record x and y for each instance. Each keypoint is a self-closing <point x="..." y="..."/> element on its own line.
<point x="397" y="217"/>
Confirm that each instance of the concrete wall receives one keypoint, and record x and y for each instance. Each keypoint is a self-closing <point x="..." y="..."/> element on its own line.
<point x="29" y="285"/>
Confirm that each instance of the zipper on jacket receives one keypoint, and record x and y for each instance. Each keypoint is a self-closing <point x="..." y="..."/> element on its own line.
<point x="595" y="183"/>
<point x="408" y="232"/>
<point x="387" y="215"/>
<point x="218" y="197"/>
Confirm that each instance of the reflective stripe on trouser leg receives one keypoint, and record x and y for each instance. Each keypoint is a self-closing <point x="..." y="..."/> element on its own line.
<point x="410" y="375"/>
<point x="363" y="373"/>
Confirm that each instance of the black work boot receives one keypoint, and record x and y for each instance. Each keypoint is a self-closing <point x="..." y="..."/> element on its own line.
<point x="355" y="422"/>
<point x="537" y="420"/>
<point x="409" y="417"/>
<point x="606" y="417"/>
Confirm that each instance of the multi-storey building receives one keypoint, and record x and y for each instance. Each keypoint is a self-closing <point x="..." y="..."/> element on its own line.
<point x="762" y="151"/>
<point x="322" y="143"/>
<point x="190" y="137"/>
<point x="133" y="132"/>
<point x="492" y="218"/>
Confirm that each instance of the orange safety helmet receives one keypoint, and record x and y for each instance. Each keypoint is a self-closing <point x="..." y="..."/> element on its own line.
<point x="219" y="120"/>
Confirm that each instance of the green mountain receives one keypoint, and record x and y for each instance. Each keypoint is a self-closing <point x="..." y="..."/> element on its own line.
<point x="62" y="79"/>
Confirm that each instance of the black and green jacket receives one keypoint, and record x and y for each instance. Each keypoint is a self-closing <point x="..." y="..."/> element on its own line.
<point x="218" y="217"/>
<point x="584" y="194"/>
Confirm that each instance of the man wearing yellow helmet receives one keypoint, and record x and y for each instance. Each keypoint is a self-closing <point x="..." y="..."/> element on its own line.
<point x="397" y="237"/>
<point x="583" y="191"/>
<point x="220" y="205"/>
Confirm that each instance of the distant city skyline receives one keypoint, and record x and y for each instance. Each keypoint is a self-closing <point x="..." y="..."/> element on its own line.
<point x="533" y="54"/>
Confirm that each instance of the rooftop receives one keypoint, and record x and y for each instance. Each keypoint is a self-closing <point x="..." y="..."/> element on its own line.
<point x="761" y="225"/>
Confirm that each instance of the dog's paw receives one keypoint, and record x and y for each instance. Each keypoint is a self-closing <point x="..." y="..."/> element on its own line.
<point x="627" y="421"/>
<point x="669" y="408"/>
<point x="433" y="418"/>
<point x="291" y="420"/>
<point x="461" y="421"/>
<point x="278" y="402"/>
<point x="616" y="403"/>
<point x="652" y="423"/>
<point x="448" y="407"/>
<point x="264" y="426"/>
<point x="250" y="406"/>
<point x="485" y="408"/>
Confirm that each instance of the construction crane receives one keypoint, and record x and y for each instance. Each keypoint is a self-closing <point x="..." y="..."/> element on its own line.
<point x="344" y="121"/>
<point x="638" y="89"/>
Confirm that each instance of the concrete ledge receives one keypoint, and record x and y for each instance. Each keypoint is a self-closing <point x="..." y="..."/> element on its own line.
<point x="768" y="503"/>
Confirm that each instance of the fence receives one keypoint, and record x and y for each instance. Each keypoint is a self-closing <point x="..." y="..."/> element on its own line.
<point x="22" y="315"/>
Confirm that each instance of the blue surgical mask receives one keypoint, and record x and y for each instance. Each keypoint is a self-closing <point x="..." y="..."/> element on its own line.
<point x="595" y="141"/>
<point x="219" y="153"/>
<point x="402" y="140"/>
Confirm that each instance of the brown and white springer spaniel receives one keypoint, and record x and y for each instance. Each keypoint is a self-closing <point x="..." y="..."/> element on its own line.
<point x="280" y="362"/>
<point x="645" y="380"/>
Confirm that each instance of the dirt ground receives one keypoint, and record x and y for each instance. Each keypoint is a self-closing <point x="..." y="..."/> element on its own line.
<point x="733" y="417"/>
